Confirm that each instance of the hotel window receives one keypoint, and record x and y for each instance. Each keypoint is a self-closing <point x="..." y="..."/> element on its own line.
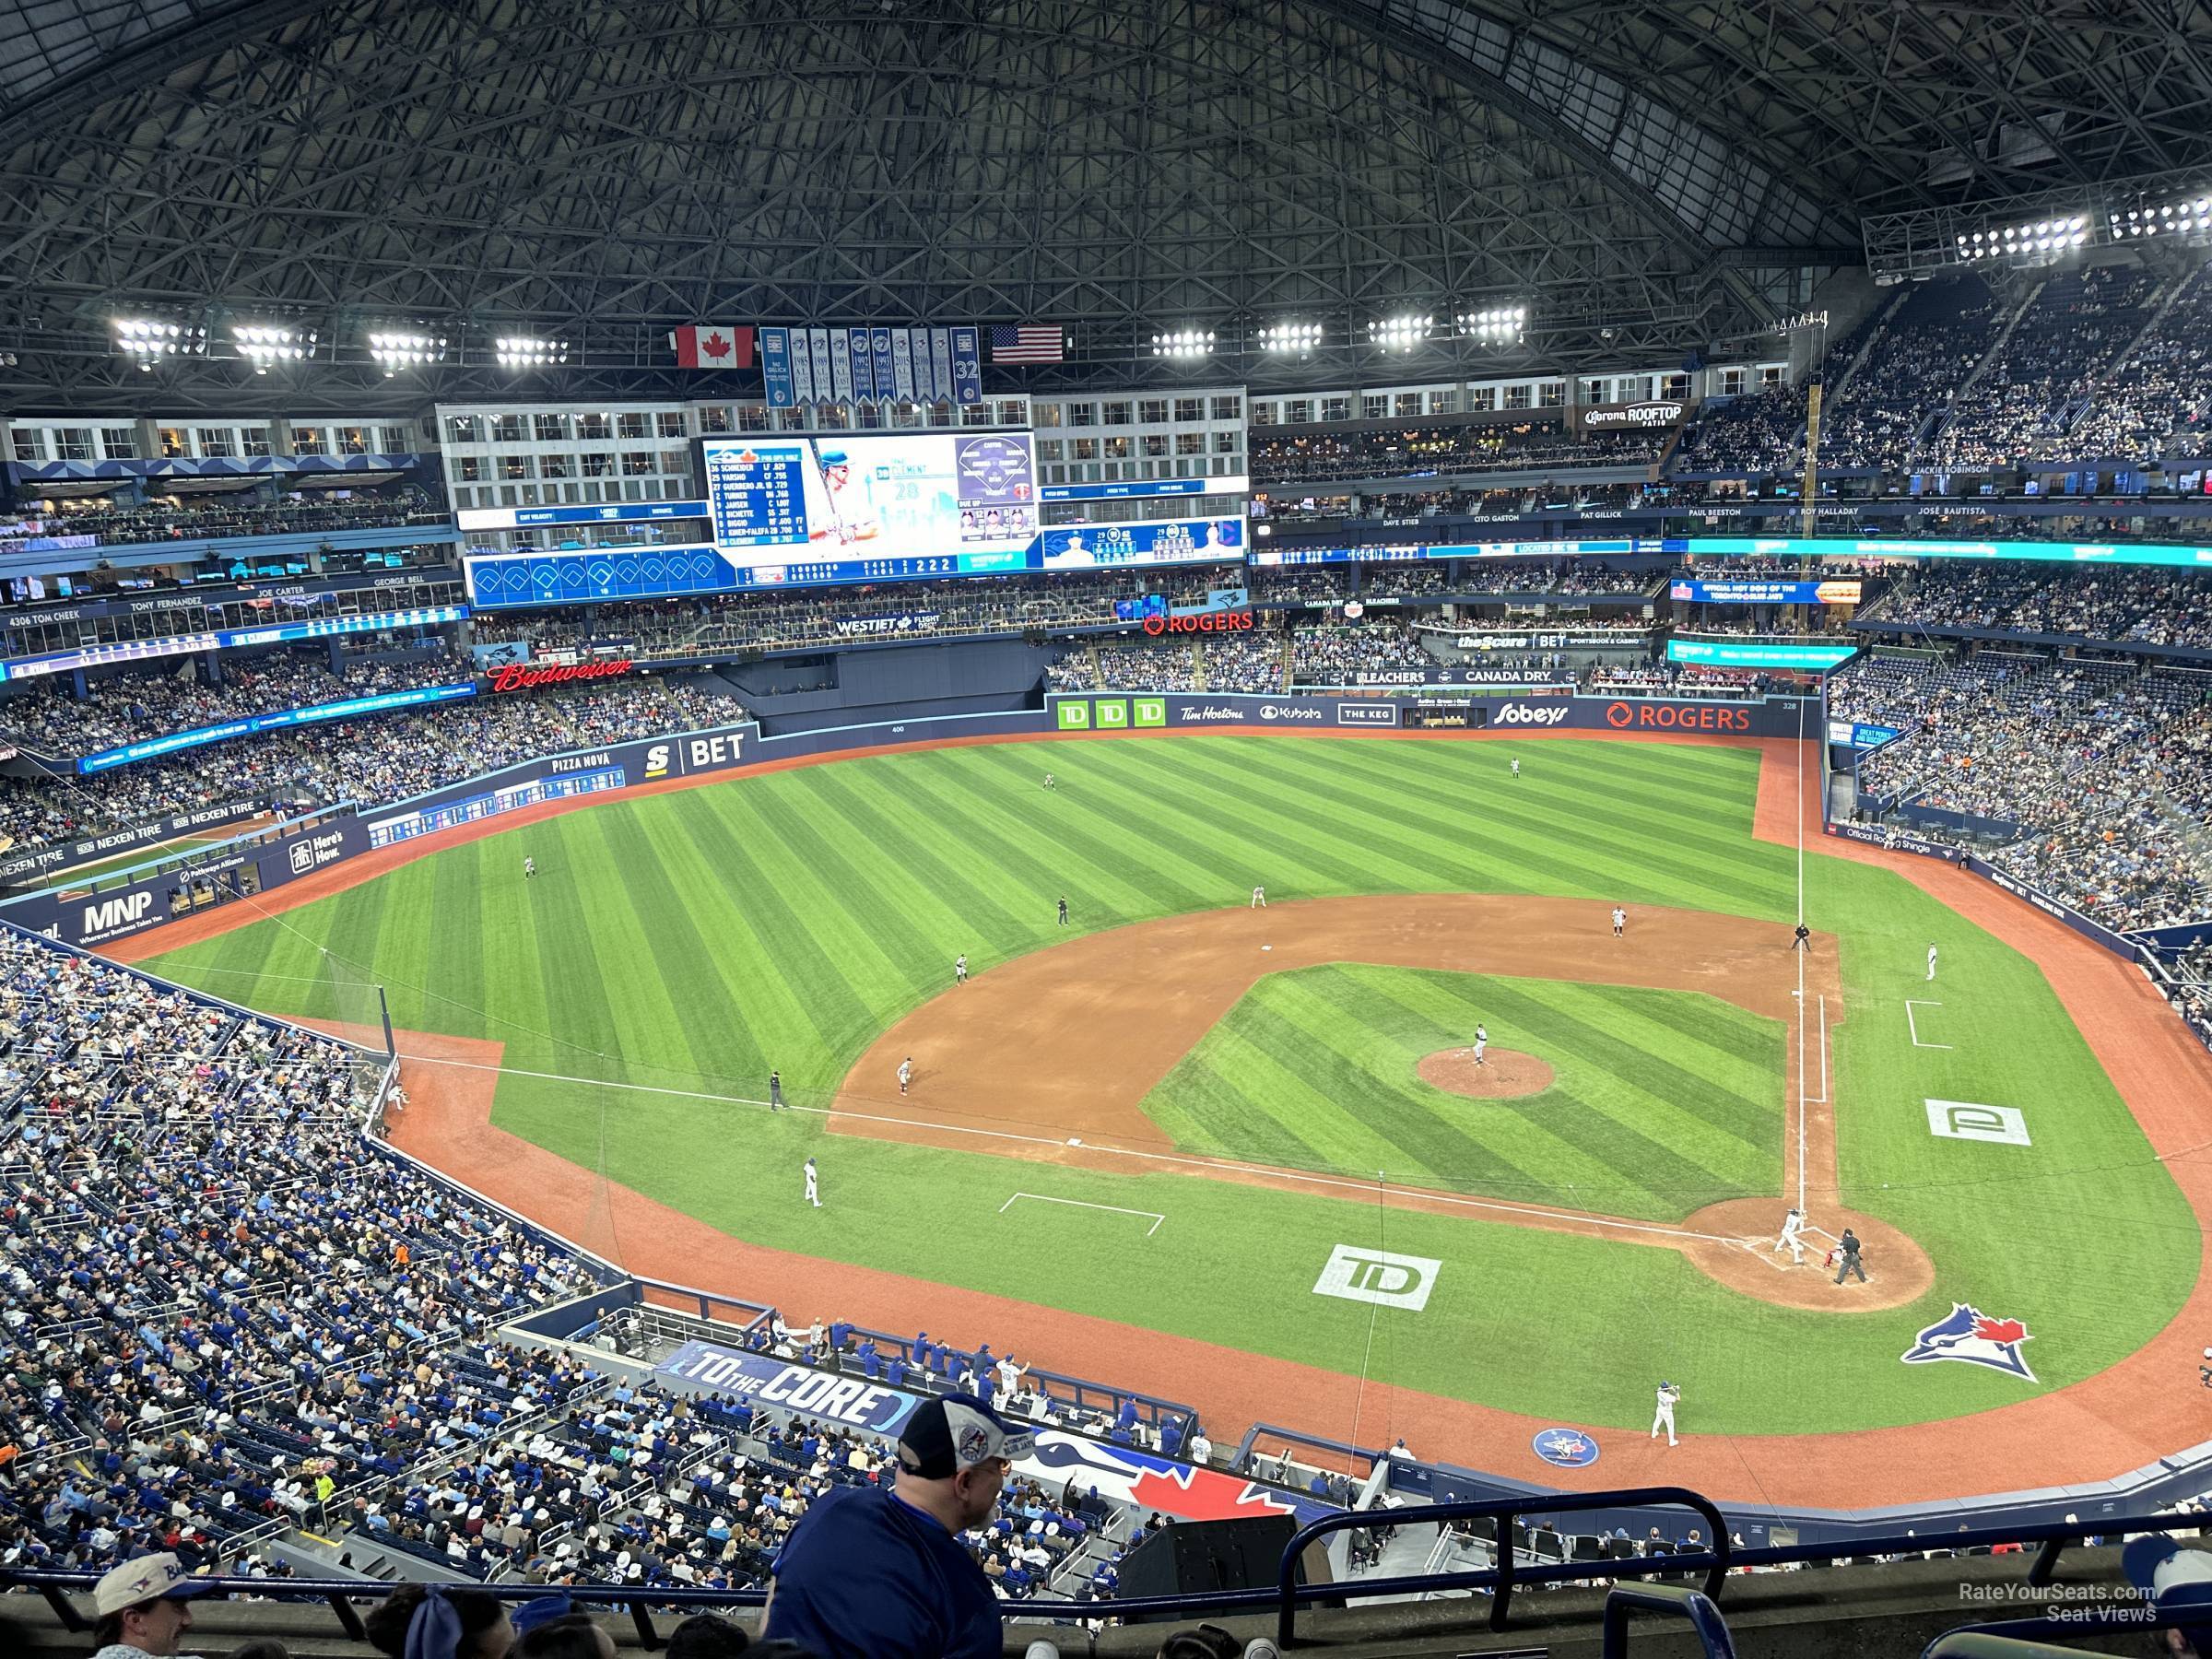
<point x="593" y="429"/>
<point x="1229" y="408"/>
<point x="669" y="423"/>
<point x="506" y="428"/>
<point x="463" y="428"/>
<point x="214" y="441"/>
<point x="632" y="425"/>
<point x="1153" y="411"/>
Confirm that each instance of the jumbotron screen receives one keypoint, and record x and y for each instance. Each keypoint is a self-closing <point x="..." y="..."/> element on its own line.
<point x="920" y="504"/>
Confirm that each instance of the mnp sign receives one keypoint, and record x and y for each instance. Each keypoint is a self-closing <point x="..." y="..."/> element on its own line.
<point x="1378" y="1276"/>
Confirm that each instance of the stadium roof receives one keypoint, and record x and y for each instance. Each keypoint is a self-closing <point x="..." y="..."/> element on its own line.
<point x="604" y="168"/>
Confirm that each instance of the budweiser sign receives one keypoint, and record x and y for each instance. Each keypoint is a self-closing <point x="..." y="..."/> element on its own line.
<point x="522" y="676"/>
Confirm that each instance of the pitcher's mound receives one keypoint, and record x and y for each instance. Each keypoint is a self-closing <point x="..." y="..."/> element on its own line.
<point x="1503" y="1074"/>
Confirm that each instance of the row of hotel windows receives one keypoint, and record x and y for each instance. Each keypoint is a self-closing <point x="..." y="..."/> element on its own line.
<point x="36" y="444"/>
<point x="1384" y="405"/>
<point x="573" y="495"/>
<point x="1148" y="443"/>
<point x="1143" y="411"/>
<point x="562" y="427"/>
<point x="1114" y="472"/>
<point x="592" y="463"/>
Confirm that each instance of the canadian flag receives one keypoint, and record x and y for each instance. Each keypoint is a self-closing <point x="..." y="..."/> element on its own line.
<point x="713" y="345"/>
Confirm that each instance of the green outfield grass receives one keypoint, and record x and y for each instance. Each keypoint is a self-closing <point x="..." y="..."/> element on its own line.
<point x="690" y="941"/>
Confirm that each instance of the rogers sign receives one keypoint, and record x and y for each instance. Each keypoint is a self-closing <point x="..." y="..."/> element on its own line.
<point x="1677" y="717"/>
<point x="1202" y="622"/>
<point x="522" y="676"/>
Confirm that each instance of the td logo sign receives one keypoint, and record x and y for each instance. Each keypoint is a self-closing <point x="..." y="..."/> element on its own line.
<point x="1378" y="1276"/>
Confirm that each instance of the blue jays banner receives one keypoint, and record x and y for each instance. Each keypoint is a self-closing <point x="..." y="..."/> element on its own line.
<point x="880" y="348"/>
<point x="940" y="356"/>
<point x="841" y="363"/>
<point x="763" y="1380"/>
<point x="902" y="366"/>
<point x="1153" y="1482"/>
<point x="819" y="338"/>
<point x="775" y="368"/>
<point x="967" y="366"/>
<point x="864" y="367"/>
<point x="925" y="376"/>
<point x="802" y="367"/>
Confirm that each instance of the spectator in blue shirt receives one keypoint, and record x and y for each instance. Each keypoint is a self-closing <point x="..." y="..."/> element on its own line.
<point x="871" y="1573"/>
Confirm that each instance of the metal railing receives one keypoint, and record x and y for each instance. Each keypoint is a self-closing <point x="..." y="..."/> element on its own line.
<point x="1695" y="1606"/>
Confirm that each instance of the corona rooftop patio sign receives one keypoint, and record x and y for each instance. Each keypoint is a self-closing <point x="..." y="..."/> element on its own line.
<point x="522" y="676"/>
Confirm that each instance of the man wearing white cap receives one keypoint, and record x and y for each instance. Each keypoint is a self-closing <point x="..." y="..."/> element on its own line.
<point x="2174" y="1580"/>
<point x="876" y="1573"/>
<point x="142" y="1608"/>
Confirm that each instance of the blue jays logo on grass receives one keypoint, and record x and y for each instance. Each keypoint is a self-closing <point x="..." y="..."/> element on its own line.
<point x="1568" y="1448"/>
<point x="1970" y="1335"/>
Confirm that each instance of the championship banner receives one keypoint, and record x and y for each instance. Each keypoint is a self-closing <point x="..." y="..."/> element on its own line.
<point x="802" y="367"/>
<point x="864" y="366"/>
<point x="880" y="348"/>
<point x="967" y="366"/>
<point x="818" y="343"/>
<point x="940" y="356"/>
<point x="841" y="363"/>
<point x="925" y="374"/>
<point x="775" y="368"/>
<point x="902" y="366"/>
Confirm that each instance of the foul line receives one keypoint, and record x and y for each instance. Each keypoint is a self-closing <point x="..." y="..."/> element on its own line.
<point x="1913" y="1025"/>
<point x="1574" y="1217"/>
<point x="1085" y="1203"/>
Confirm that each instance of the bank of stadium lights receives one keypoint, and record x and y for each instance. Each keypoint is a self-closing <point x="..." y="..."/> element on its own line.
<point x="264" y="344"/>
<point x="1184" y="343"/>
<point x="393" y="350"/>
<point x="1400" y="333"/>
<point x="524" y="351"/>
<point x="149" y="341"/>
<point x="2170" y="219"/>
<point x="1291" y="337"/>
<point x="2029" y="237"/>
<point x="1498" y="325"/>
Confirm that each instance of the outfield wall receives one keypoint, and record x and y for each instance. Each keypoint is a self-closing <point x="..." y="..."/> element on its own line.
<point x="1111" y="712"/>
<point x="64" y="855"/>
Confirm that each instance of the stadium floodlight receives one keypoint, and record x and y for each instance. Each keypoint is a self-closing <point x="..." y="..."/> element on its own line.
<point x="1299" y="337"/>
<point x="397" y="349"/>
<point x="1496" y="326"/>
<point x="149" y="341"/>
<point x="2191" y="216"/>
<point x="524" y="351"/>
<point x="1400" y="333"/>
<point x="263" y="343"/>
<point x="1184" y="343"/>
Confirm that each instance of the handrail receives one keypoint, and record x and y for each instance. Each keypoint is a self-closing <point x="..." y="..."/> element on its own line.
<point x="1504" y="1510"/>
<point x="1693" y="1605"/>
<point x="2015" y="1638"/>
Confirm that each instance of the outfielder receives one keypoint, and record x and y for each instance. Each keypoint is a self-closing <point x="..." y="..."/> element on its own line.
<point x="813" y="1195"/>
<point x="906" y="1073"/>
<point x="530" y="872"/>
<point x="959" y="969"/>
<point x="1064" y="910"/>
<point x="1793" y="1225"/>
<point x="1259" y="898"/>
<point x="1048" y="781"/>
<point x="1665" y="1416"/>
<point x="1516" y="767"/>
<point x="1931" y="963"/>
<point x="1620" y="920"/>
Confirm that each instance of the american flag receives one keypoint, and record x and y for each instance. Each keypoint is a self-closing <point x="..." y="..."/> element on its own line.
<point x="1044" y="344"/>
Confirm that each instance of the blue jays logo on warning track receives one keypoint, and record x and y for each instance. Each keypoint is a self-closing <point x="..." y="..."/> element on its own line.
<point x="1568" y="1448"/>
<point x="1970" y="1335"/>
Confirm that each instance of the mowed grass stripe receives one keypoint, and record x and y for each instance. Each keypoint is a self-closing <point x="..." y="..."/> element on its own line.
<point x="1649" y="1027"/>
<point x="1719" y="1027"/>
<point x="1079" y="852"/>
<point x="858" y="823"/>
<point x="1147" y="869"/>
<point x="456" y="889"/>
<point x="1214" y="1110"/>
<point x="581" y="932"/>
<point x="1445" y="1138"/>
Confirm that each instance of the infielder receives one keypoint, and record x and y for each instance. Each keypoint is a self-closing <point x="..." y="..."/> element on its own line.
<point x="1931" y="964"/>
<point x="530" y="873"/>
<point x="1620" y="920"/>
<point x="775" y="1092"/>
<point x="813" y="1195"/>
<point x="959" y="969"/>
<point x="1064" y="910"/>
<point x="1793" y="1224"/>
<point x="1048" y="781"/>
<point x="1481" y="1042"/>
<point x="1259" y="898"/>
<point x="906" y="1073"/>
<point x="1665" y="1416"/>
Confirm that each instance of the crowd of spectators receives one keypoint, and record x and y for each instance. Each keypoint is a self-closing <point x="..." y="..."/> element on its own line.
<point x="1252" y="662"/>
<point x="2138" y="605"/>
<point x="1336" y="654"/>
<point x="2098" y="775"/>
<point x="127" y="708"/>
<point x="1757" y="432"/>
<point x="1917" y="362"/>
<point x="201" y="517"/>
<point x="224" y="1303"/>
<point x="1282" y="460"/>
<point x="2071" y="331"/>
<point x="370" y="762"/>
<point x="2159" y="396"/>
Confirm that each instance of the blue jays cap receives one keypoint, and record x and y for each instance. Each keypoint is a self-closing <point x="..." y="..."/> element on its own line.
<point x="149" y="1578"/>
<point x="945" y="1436"/>
<point x="2173" y="1579"/>
<point x="544" y="1610"/>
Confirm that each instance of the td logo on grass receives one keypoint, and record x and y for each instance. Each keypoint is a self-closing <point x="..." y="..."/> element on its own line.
<point x="1378" y="1276"/>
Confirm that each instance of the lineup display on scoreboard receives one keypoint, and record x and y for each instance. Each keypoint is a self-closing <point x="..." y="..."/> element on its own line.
<point x="943" y="497"/>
